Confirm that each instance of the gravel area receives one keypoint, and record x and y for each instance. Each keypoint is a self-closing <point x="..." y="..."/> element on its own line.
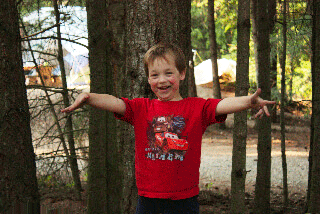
<point x="216" y="158"/>
<point x="216" y="165"/>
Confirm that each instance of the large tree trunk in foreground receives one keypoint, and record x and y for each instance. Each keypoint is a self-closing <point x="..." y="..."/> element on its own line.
<point x="118" y="42"/>
<point x="18" y="182"/>
<point x="102" y="125"/>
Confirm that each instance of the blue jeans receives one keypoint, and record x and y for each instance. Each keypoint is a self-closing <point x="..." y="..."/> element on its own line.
<point x="167" y="206"/>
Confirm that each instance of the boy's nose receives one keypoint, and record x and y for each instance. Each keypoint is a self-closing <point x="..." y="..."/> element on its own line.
<point x="162" y="78"/>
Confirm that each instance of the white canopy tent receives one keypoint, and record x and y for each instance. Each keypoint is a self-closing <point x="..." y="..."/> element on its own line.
<point x="203" y="71"/>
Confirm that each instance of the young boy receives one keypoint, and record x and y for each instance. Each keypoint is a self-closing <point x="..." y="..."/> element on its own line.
<point x="168" y="131"/>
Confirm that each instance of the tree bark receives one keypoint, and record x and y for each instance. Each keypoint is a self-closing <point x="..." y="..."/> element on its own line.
<point x="273" y="56"/>
<point x="72" y="157"/>
<point x="314" y="201"/>
<point x="101" y="125"/>
<point x="18" y="183"/>
<point x="118" y="41"/>
<point x="213" y="50"/>
<point x="238" y="174"/>
<point x="282" y="119"/>
<point x="263" y="180"/>
<point x="136" y="26"/>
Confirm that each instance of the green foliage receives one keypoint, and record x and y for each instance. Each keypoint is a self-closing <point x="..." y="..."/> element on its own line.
<point x="225" y="21"/>
<point x="28" y="6"/>
<point x="53" y="181"/>
<point x="298" y="41"/>
<point x="302" y="89"/>
<point x="199" y="29"/>
<point x="85" y="177"/>
<point x="70" y="185"/>
<point x="49" y="181"/>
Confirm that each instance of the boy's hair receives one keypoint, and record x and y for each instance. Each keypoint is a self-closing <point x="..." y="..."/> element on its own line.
<point x="160" y="50"/>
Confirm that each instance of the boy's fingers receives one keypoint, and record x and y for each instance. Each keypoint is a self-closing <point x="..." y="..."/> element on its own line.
<point x="67" y="110"/>
<point x="260" y="112"/>
<point x="79" y="102"/>
<point x="255" y="96"/>
<point x="271" y="102"/>
<point x="261" y="116"/>
<point x="266" y="110"/>
<point x="257" y="93"/>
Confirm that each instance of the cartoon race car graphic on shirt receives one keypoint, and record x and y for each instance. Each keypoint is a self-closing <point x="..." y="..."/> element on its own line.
<point x="168" y="142"/>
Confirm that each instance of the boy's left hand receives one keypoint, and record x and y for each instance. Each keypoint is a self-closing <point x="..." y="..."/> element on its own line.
<point x="260" y="104"/>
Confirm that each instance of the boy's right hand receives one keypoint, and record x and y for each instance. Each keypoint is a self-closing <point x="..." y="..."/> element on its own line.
<point x="78" y="103"/>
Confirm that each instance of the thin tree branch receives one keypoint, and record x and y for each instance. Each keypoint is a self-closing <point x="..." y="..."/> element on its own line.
<point x="40" y="52"/>
<point x="26" y="37"/>
<point x="53" y="37"/>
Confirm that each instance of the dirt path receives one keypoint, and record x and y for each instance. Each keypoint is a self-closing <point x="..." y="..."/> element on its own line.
<point x="216" y="161"/>
<point x="216" y="164"/>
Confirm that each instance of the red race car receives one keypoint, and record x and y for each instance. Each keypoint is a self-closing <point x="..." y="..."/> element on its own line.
<point x="168" y="141"/>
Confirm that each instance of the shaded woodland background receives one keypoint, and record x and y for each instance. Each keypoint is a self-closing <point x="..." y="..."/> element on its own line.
<point x="53" y="50"/>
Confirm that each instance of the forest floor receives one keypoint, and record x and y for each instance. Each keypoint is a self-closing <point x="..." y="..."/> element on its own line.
<point x="215" y="190"/>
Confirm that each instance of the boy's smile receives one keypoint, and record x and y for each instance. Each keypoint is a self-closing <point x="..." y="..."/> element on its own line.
<point x="164" y="78"/>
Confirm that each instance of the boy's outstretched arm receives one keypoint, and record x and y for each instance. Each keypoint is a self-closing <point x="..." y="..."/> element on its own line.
<point x="236" y="104"/>
<point x="101" y="101"/>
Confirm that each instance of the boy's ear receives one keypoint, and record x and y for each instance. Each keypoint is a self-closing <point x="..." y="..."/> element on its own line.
<point x="183" y="74"/>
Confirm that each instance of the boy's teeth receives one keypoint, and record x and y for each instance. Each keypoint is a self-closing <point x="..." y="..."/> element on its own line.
<point x="164" y="87"/>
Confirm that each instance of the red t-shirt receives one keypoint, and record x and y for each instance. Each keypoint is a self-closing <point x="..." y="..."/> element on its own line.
<point x="168" y="144"/>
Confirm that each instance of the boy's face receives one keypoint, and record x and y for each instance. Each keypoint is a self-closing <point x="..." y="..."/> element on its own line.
<point x="164" y="78"/>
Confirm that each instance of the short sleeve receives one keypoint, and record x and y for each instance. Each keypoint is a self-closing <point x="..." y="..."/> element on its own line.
<point x="129" y="113"/>
<point x="209" y="113"/>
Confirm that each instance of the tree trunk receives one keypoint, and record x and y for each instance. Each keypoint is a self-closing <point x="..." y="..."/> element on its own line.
<point x="238" y="174"/>
<point x="118" y="42"/>
<point x="310" y="159"/>
<point x="282" y="119"/>
<point x="48" y="98"/>
<point x="254" y="31"/>
<point x="263" y="180"/>
<point x="101" y="125"/>
<point x="273" y="56"/>
<point x="314" y="202"/>
<point x="188" y="86"/>
<point x="138" y="25"/>
<point x="213" y="50"/>
<point x="293" y="67"/>
<point x="214" y="55"/>
<point x="72" y="157"/>
<point x="18" y="183"/>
